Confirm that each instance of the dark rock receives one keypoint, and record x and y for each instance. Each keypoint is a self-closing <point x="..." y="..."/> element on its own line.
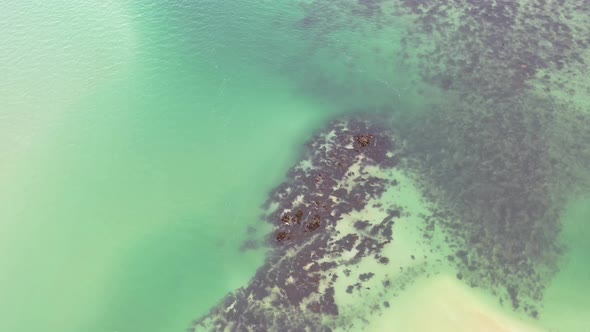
<point x="366" y="276"/>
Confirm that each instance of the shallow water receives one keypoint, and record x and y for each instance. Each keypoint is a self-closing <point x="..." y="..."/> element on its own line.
<point x="139" y="140"/>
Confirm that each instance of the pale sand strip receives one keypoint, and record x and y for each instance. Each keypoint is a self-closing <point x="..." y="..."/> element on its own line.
<point x="443" y="304"/>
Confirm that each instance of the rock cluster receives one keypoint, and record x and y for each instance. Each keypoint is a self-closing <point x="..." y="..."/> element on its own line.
<point x="293" y="290"/>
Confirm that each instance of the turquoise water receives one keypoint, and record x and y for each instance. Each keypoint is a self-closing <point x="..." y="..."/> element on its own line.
<point x="133" y="159"/>
<point x="138" y="140"/>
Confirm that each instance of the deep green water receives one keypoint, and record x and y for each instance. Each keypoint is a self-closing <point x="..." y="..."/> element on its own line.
<point x="138" y="140"/>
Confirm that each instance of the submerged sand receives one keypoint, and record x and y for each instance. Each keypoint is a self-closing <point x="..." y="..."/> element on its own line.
<point x="444" y="304"/>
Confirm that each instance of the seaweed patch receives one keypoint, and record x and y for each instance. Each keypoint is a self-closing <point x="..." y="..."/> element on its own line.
<point x="494" y="155"/>
<point x="492" y="49"/>
<point x="344" y="168"/>
<point x="498" y="152"/>
<point x="499" y="173"/>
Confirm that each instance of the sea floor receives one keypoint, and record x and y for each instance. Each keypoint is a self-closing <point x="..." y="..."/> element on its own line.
<point x="140" y="139"/>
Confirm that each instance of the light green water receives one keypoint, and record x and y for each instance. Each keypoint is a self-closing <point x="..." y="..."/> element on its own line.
<point x="132" y="163"/>
<point x="137" y="142"/>
<point x="567" y="299"/>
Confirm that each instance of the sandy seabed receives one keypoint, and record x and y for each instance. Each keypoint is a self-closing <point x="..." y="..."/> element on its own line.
<point x="443" y="304"/>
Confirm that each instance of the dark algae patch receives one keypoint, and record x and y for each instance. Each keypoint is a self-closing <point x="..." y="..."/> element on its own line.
<point x="498" y="171"/>
<point x="499" y="153"/>
<point x="366" y="276"/>
<point x="491" y="49"/>
<point x="293" y="290"/>
<point x="495" y="150"/>
<point x="495" y="47"/>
